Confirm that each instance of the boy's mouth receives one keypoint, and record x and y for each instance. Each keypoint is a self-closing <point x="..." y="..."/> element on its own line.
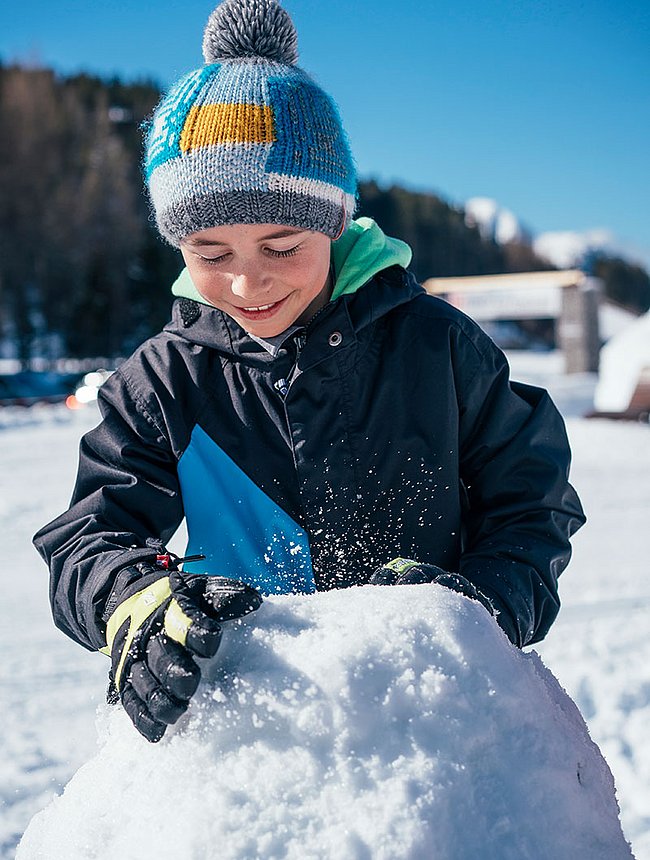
<point x="259" y="312"/>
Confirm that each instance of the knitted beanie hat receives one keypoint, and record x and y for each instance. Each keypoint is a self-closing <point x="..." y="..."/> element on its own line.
<point x="249" y="138"/>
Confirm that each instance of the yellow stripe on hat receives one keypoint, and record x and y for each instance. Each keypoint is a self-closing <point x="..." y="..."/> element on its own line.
<point x="207" y="125"/>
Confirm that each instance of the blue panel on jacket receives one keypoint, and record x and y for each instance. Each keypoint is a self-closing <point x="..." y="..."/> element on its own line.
<point x="241" y="531"/>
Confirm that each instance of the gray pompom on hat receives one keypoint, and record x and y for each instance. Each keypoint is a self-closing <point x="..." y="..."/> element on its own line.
<point x="250" y="28"/>
<point x="249" y="138"/>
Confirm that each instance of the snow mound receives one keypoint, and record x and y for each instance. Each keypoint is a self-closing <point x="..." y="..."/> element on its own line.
<point x="372" y="722"/>
<point x="622" y="361"/>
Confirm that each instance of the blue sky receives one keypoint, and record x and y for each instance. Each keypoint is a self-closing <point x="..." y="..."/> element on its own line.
<point x="544" y="106"/>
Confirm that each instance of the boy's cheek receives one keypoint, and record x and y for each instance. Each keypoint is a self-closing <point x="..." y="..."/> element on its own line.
<point x="207" y="283"/>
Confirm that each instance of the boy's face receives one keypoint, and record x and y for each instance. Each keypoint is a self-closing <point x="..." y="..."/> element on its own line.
<point x="265" y="276"/>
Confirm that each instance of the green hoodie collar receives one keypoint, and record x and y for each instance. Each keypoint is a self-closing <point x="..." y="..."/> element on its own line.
<point x="361" y="252"/>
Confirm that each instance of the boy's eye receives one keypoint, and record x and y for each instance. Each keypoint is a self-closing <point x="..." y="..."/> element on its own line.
<point x="273" y="252"/>
<point x="288" y="253"/>
<point x="218" y="259"/>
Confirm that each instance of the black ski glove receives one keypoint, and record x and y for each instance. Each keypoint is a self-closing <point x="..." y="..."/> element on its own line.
<point x="404" y="571"/>
<point x="161" y="622"/>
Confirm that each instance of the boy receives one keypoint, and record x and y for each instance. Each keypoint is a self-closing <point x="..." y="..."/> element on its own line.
<point x="318" y="420"/>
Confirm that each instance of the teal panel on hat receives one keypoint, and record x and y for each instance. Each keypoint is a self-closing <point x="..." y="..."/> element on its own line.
<point x="241" y="531"/>
<point x="163" y="140"/>
<point x="311" y="142"/>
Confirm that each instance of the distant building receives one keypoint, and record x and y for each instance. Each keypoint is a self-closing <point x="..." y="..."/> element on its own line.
<point x="569" y="299"/>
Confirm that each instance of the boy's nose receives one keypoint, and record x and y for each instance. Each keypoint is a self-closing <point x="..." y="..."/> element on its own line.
<point x="247" y="285"/>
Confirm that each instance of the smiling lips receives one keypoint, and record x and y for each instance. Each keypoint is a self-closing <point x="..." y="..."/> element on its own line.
<point x="262" y="311"/>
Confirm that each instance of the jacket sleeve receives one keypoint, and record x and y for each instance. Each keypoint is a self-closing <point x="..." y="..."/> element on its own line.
<point x="126" y="504"/>
<point x="521" y="509"/>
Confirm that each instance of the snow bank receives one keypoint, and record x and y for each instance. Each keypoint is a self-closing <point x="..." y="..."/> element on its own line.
<point x="621" y="361"/>
<point x="366" y="723"/>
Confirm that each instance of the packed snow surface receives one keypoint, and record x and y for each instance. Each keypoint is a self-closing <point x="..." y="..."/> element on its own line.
<point x="374" y="722"/>
<point x="598" y="648"/>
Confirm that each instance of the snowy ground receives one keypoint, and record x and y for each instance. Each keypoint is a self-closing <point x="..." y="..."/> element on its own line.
<point x="599" y="648"/>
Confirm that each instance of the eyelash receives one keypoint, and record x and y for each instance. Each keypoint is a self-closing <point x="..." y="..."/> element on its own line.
<point x="288" y="253"/>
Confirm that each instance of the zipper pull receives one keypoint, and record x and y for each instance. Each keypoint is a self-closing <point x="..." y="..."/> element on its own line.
<point x="282" y="387"/>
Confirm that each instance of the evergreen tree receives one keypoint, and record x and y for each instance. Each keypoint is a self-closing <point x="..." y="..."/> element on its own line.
<point x="443" y="244"/>
<point x="75" y="236"/>
<point x="624" y="282"/>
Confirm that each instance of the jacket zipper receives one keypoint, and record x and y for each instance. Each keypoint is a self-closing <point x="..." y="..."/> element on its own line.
<point x="283" y="385"/>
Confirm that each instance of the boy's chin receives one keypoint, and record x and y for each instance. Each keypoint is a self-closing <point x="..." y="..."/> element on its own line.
<point x="265" y="330"/>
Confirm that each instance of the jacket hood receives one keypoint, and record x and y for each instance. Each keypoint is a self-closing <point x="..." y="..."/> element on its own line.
<point x="363" y="251"/>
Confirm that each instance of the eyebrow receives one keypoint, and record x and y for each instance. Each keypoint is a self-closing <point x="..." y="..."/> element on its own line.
<point x="279" y="234"/>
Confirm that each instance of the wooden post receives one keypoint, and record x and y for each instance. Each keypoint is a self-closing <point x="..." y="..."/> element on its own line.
<point x="577" y="327"/>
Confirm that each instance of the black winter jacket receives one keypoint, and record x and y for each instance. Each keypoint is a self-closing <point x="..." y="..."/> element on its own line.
<point x="387" y="428"/>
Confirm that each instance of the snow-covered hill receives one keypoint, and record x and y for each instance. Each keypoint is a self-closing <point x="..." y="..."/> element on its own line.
<point x="565" y="249"/>
<point x="598" y="649"/>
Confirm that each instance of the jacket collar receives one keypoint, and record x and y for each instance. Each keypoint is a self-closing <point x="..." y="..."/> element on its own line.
<point x="335" y="327"/>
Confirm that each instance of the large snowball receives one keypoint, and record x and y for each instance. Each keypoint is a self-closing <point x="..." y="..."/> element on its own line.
<point x="379" y="723"/>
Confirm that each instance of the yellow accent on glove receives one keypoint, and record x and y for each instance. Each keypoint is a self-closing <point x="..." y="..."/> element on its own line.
<point x="137" y="608"/>
<point x="177" y="623"/>
<point x="401" y="565"/>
